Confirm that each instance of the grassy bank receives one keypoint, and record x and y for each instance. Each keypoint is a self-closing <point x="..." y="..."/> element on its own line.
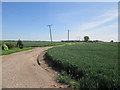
<point x="5" y="52"/>
<point x="93" y="65"/>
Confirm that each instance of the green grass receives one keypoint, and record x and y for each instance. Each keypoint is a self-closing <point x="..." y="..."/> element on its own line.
<point x="38" y="43"/>
<point x="94" y="65"/>
<point x="28" y="44"/>
<point x="41" y="44"/>
<point x="63" y="77"/>
<point x="5" y="52"/>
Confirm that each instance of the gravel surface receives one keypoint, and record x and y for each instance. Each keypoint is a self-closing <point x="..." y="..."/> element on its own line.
<point x="21" y="70"/>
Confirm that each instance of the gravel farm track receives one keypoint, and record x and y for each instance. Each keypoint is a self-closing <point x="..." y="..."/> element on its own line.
<point x="21" y="70"/>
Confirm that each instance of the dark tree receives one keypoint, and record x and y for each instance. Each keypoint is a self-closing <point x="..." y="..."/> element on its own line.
<point x="19" y="44"/>
<point x="86" y="38"/>
<point x="111" y="41"/>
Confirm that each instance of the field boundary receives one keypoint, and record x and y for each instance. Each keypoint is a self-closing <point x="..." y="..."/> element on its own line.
<point x="11" y="51"/>
<point x="45" y="63"/>
<point x="70" y="69"/>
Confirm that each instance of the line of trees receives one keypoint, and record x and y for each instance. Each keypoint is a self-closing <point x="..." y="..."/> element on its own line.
<point x="10" y="45"/>
<point x="86" y="39"/>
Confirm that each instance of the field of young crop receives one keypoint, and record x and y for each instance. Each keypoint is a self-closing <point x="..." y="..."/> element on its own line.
<point x="40" y="44"/>
<point x="93" y="65"/>
<point x="37" y="43"/>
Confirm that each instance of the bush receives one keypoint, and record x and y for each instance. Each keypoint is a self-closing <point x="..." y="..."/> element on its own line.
<point x="111" y="41"/>
<point x="86" y="38"/>
<point x="11" y="45"/>
<point x="4" y="46"/>
<point x="19" y="44"/>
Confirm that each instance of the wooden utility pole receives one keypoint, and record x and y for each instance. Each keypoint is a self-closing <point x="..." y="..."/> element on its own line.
<point x="50" y="32"/>
<point x="79" y="38"/>
<point x="68" y="35"/>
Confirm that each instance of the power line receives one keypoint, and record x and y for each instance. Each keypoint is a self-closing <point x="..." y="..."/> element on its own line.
<point x="50" y="32"/>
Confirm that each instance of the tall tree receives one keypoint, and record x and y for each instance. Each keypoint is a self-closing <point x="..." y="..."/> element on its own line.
<point x="86" y="38"/>
<point x="19" y="44"/>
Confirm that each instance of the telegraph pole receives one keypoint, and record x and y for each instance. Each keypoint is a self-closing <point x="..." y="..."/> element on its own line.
<point x="79" y="38"/>
<point x="68" y="34"/>
<point x="50" y="32"/>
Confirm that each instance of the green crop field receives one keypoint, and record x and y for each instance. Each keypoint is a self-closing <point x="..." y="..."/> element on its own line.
<point x="37" y="43"/>
<point x="40" y="44"/>
<point x="93" y="65"/>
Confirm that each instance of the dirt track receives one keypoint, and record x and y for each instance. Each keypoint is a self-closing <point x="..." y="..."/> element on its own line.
<point x="21" y="70"/>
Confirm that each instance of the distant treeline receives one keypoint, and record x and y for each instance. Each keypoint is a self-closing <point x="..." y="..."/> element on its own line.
<point x="54" y="41"/>
<point x="25" y="41"/>
<point x="80" y="41"/>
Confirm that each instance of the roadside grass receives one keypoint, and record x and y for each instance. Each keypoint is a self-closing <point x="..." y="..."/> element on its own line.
<point x="93" y="65"/>
<point x="5" y="52"/>
<point x="65" y="78"/>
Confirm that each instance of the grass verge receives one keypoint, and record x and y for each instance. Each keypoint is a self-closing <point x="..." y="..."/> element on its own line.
<point x="5" y="52"/>
<point x="65" y="78"/>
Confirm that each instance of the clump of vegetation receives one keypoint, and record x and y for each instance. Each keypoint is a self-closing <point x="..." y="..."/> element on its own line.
<point x="4" y="46"/>
<point x="86" y="38"/>
<point x="112" y="41"/>
<point x="11" y="45"/>
<point x="19" y="44"/>
<point x="93" y="65"/>
<point x="64" y="78"/>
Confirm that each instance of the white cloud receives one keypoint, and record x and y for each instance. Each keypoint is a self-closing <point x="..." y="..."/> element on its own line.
<point x="97" y="30"/>
<point x="102" y="19"/>
<point x="103" y="33"/>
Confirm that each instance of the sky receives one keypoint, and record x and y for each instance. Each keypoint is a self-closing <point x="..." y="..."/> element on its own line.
<point x="29" y="20"/>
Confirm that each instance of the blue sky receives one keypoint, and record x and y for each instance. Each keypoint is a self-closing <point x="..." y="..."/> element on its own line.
<point x="29" y="20"/>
